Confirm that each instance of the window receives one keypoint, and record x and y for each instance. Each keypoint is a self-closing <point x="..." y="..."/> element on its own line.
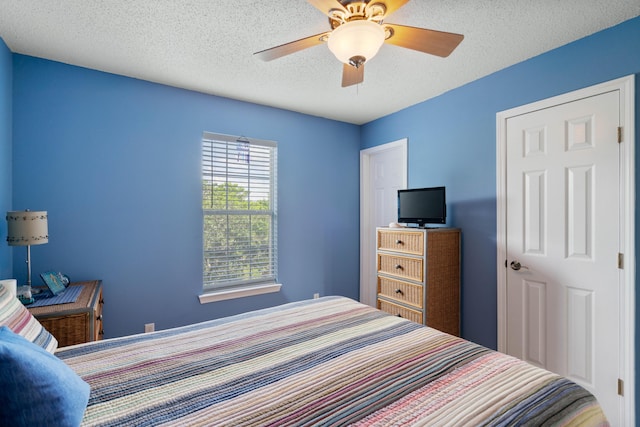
<point x="239" y="211"/>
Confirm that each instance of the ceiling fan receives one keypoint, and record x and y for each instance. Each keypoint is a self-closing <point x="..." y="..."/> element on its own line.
<point x="358" y="31"/>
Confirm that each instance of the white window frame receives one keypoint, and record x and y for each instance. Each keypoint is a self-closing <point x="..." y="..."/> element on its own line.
<point x="236" y="288"/>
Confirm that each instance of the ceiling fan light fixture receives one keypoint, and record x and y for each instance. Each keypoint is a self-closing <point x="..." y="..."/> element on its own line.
<point x="356" y="38"/>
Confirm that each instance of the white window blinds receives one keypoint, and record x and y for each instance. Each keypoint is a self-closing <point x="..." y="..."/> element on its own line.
<point x="239" y="211"/>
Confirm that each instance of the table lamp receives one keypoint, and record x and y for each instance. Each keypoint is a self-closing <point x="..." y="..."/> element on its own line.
<point x="26" y="228"/>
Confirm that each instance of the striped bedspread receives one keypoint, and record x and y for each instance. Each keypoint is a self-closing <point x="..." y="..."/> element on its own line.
<point x="329" y="361"/>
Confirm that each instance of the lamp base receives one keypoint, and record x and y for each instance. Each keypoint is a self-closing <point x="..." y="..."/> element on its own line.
<point x="24" y="294"/>
<point x="26" y="301"/>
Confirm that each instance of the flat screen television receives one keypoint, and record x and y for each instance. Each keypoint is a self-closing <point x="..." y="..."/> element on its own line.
<point x="422" y="206"/>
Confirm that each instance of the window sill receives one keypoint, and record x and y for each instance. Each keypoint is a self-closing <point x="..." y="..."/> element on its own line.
<point x="240" y="292"/>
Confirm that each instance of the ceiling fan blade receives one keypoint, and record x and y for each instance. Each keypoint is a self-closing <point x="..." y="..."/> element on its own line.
<point x="390" y="5"/>
<point x="433" y="42"/>
<point x="325" y="6"/>
<point x="291" y="47"/>
<point x="352" y="75"/>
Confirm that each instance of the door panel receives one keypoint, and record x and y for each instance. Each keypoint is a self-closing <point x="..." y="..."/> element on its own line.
<point x="536" y="306"/>
<point x="580" y="366"/>
<point x="535" y="185"/>
<point x="580" y="211"/>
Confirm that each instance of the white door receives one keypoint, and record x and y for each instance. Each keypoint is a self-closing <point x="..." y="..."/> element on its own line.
<point x="562" y="243"/>
<point x="383" y="171"/>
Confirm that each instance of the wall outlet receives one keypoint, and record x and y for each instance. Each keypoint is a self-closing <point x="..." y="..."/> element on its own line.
<point x="149" y="327"/>
<point x="316" y="295"/>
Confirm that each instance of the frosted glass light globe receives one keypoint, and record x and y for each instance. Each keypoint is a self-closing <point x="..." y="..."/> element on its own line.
<point x="356" y="38"/>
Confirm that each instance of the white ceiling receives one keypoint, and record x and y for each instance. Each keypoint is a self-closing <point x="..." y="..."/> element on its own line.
<point x="207" y="46"/>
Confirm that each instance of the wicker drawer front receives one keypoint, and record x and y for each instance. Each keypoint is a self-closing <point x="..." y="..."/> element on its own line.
<point x="401" y="241"/>
<point x="68" y="330"/>
<point x="405" y="267"/>
<point x="400" y="311"/>
<point x="407" y="293"/>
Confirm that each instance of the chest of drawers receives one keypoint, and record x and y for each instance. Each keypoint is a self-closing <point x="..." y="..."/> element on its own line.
<point x="418" y="274"/>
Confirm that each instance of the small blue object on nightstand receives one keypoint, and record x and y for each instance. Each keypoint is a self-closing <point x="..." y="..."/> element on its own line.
<point x="55" y="281"/>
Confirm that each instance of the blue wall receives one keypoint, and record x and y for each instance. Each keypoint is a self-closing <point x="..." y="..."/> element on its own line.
<point x="6" y="100"/>
<point x="452" y="140"/>
<point x="116" y="163"/>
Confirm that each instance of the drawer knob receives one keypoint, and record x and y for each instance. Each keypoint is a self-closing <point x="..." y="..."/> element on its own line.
<point x="99" y="317"/>
<point x="398" y="315"/>
<point x="101" y="332"/>
<point x="398" y="267"/>
<point x="101" y="300"/>
<point x="398" y="242"/>
<point x="399" y="292"/>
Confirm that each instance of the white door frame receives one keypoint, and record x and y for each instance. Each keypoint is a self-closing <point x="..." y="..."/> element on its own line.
<point x="626" y="87"/>
<point x="367" y="269"/>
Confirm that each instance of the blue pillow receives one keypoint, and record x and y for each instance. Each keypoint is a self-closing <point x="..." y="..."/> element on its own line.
<point x="37" y="388"/>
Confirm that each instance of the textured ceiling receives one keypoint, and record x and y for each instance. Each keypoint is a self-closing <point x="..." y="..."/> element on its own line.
<point x="207" y="46"/>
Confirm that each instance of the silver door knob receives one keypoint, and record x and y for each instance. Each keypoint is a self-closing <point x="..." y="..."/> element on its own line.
<point x="515" y="265"/>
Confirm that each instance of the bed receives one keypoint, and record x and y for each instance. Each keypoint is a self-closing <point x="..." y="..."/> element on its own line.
<point x="328" y="361"/>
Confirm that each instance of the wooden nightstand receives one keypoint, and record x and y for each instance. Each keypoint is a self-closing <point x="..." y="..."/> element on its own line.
<point x="77" y="322"/>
